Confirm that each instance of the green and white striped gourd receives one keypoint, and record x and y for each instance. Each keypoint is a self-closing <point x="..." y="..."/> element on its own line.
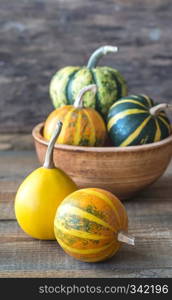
<point x="67" y="82"/>
<point x="135" y="120"/>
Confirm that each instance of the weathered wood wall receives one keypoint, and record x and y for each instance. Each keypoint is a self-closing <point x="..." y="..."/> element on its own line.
<point x="39" y="36"/>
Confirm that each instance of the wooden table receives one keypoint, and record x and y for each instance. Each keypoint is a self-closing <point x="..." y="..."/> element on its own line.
<point x="150" y="221"/>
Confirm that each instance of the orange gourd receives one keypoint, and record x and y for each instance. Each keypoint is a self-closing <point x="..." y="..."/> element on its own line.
<point x="81" y="126"/>
<point x="90" y="225"/>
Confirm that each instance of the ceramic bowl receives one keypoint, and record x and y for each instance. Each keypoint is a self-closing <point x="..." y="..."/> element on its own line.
<point x="122" y="170"/>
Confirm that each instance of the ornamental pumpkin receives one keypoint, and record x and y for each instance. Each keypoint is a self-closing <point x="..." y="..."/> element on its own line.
<point x="81" y="126"/>
<point x="67" y="82"/>
<point x="40" y="194"/>
<point x="90" y="225"/>
<point x="135" y="120"/>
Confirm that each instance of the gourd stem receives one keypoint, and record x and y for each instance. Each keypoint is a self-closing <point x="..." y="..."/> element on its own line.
<point x="97" y="54"/>
<point x="48" y="163"/>
<point x="157" y="108"/>
<point x="79" y="99"/>
<point x="125" y="238"/>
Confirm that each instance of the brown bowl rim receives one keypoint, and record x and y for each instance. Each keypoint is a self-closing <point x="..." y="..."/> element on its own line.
<point x="36" y="133"/>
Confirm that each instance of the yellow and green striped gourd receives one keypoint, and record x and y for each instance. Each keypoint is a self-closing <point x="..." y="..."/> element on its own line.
<point x="90" y="225"/>
<point x="81" y="126"/>
<point x="135" y="120"/>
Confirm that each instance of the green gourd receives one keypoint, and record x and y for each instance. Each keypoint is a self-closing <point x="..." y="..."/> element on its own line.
<point x="135" y="120"/>
<point x="68" y="81"/>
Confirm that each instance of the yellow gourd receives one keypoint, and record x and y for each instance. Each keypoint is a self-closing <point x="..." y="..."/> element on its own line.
<point x="40" y="194"/>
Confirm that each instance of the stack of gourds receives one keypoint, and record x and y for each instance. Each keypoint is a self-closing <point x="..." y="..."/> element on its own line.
<point x="91" y="105"/>
<point x="130" y="120"/>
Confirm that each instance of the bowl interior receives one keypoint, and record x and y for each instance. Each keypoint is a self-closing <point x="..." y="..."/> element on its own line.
<point x="38" y="136"/>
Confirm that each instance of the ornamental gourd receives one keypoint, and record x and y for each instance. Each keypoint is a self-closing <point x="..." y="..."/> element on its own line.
<point x="91" y="224"/>
<point x="40" y="194"/>
<point x="135" y="120"/>
<point x="81" y="126"/>
<point x="67" y="82"/>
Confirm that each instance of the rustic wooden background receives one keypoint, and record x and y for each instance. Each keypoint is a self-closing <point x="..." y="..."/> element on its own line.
<point x="39" y="36"/>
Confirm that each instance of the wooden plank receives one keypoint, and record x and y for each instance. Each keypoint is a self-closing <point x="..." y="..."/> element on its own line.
<point x="152" y="252"/>
<point x="21" y="163"/>
<point x="16" y="141"/>
<point x="39" y="37"/>
<point x="15" y="166"/>
<point x="149" y="221"/>
<point x="150" y="199"/>
<point x="60" y="273"/>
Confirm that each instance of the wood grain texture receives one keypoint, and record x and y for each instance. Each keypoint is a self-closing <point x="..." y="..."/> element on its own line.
<point x="16" y="141"/>
<point x="38" y="37"/>
<point x="149" y="221"/>
<point x="123" y="171"/>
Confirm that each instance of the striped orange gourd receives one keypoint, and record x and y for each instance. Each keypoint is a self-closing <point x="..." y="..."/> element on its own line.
<point x="90" y="224"/>
<point x="81" y="126"/>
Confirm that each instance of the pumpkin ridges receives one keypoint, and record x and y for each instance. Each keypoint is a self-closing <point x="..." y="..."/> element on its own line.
<point x="148" y="99"/>
<point x="76" y="129"/>
<point x="157" y="132"/>
<point x="105" y="77"/>
<point x="107" y="93"/>
<point x="97" y="93"/>
<point x="91" y="203"/>
<point x="101" y="258"/>
<point x="128" y="100"/>
<point x="62" y="111"/>
<point x="86" y="225"/>
<point x="99" y="125"/>
<point x="77" y="222"/>
<point x="58" y="87"/>
<point x="77" y="136"/>
<point x="165" y="123"/>
<point x="148" y="102"/>
<point x="81" y="126"/>
<point x="84" y="251"/>
<point x="124" y="126"/>
<point x="94" y="257"/>
<point x="82" y="79"/>
<point x="114" y="250"/>
<point x="142" y="137"/>
<point x="121" y="83"/>
<point x="120" y="207"/>
<point x="50" y="123"/>
<point x="92" y="128"/>
<point x="136" y="133"/>
<point x="82" y="213"/>
<point x="62" y="137"/>
<point x="85" y="130"/>
<point x="118" y="85"/>
<point x="123" y="114"/>
<point x="123" y="106"/>
<point x="85" y="199"/>
<point x="80" y="233"/>
<point x="68" y="89"/>
<point x="79" y="242"/>
<point x="107" y="201"/>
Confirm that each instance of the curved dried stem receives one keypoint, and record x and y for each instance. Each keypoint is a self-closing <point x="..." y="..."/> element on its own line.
<point x="48" y="163"/>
